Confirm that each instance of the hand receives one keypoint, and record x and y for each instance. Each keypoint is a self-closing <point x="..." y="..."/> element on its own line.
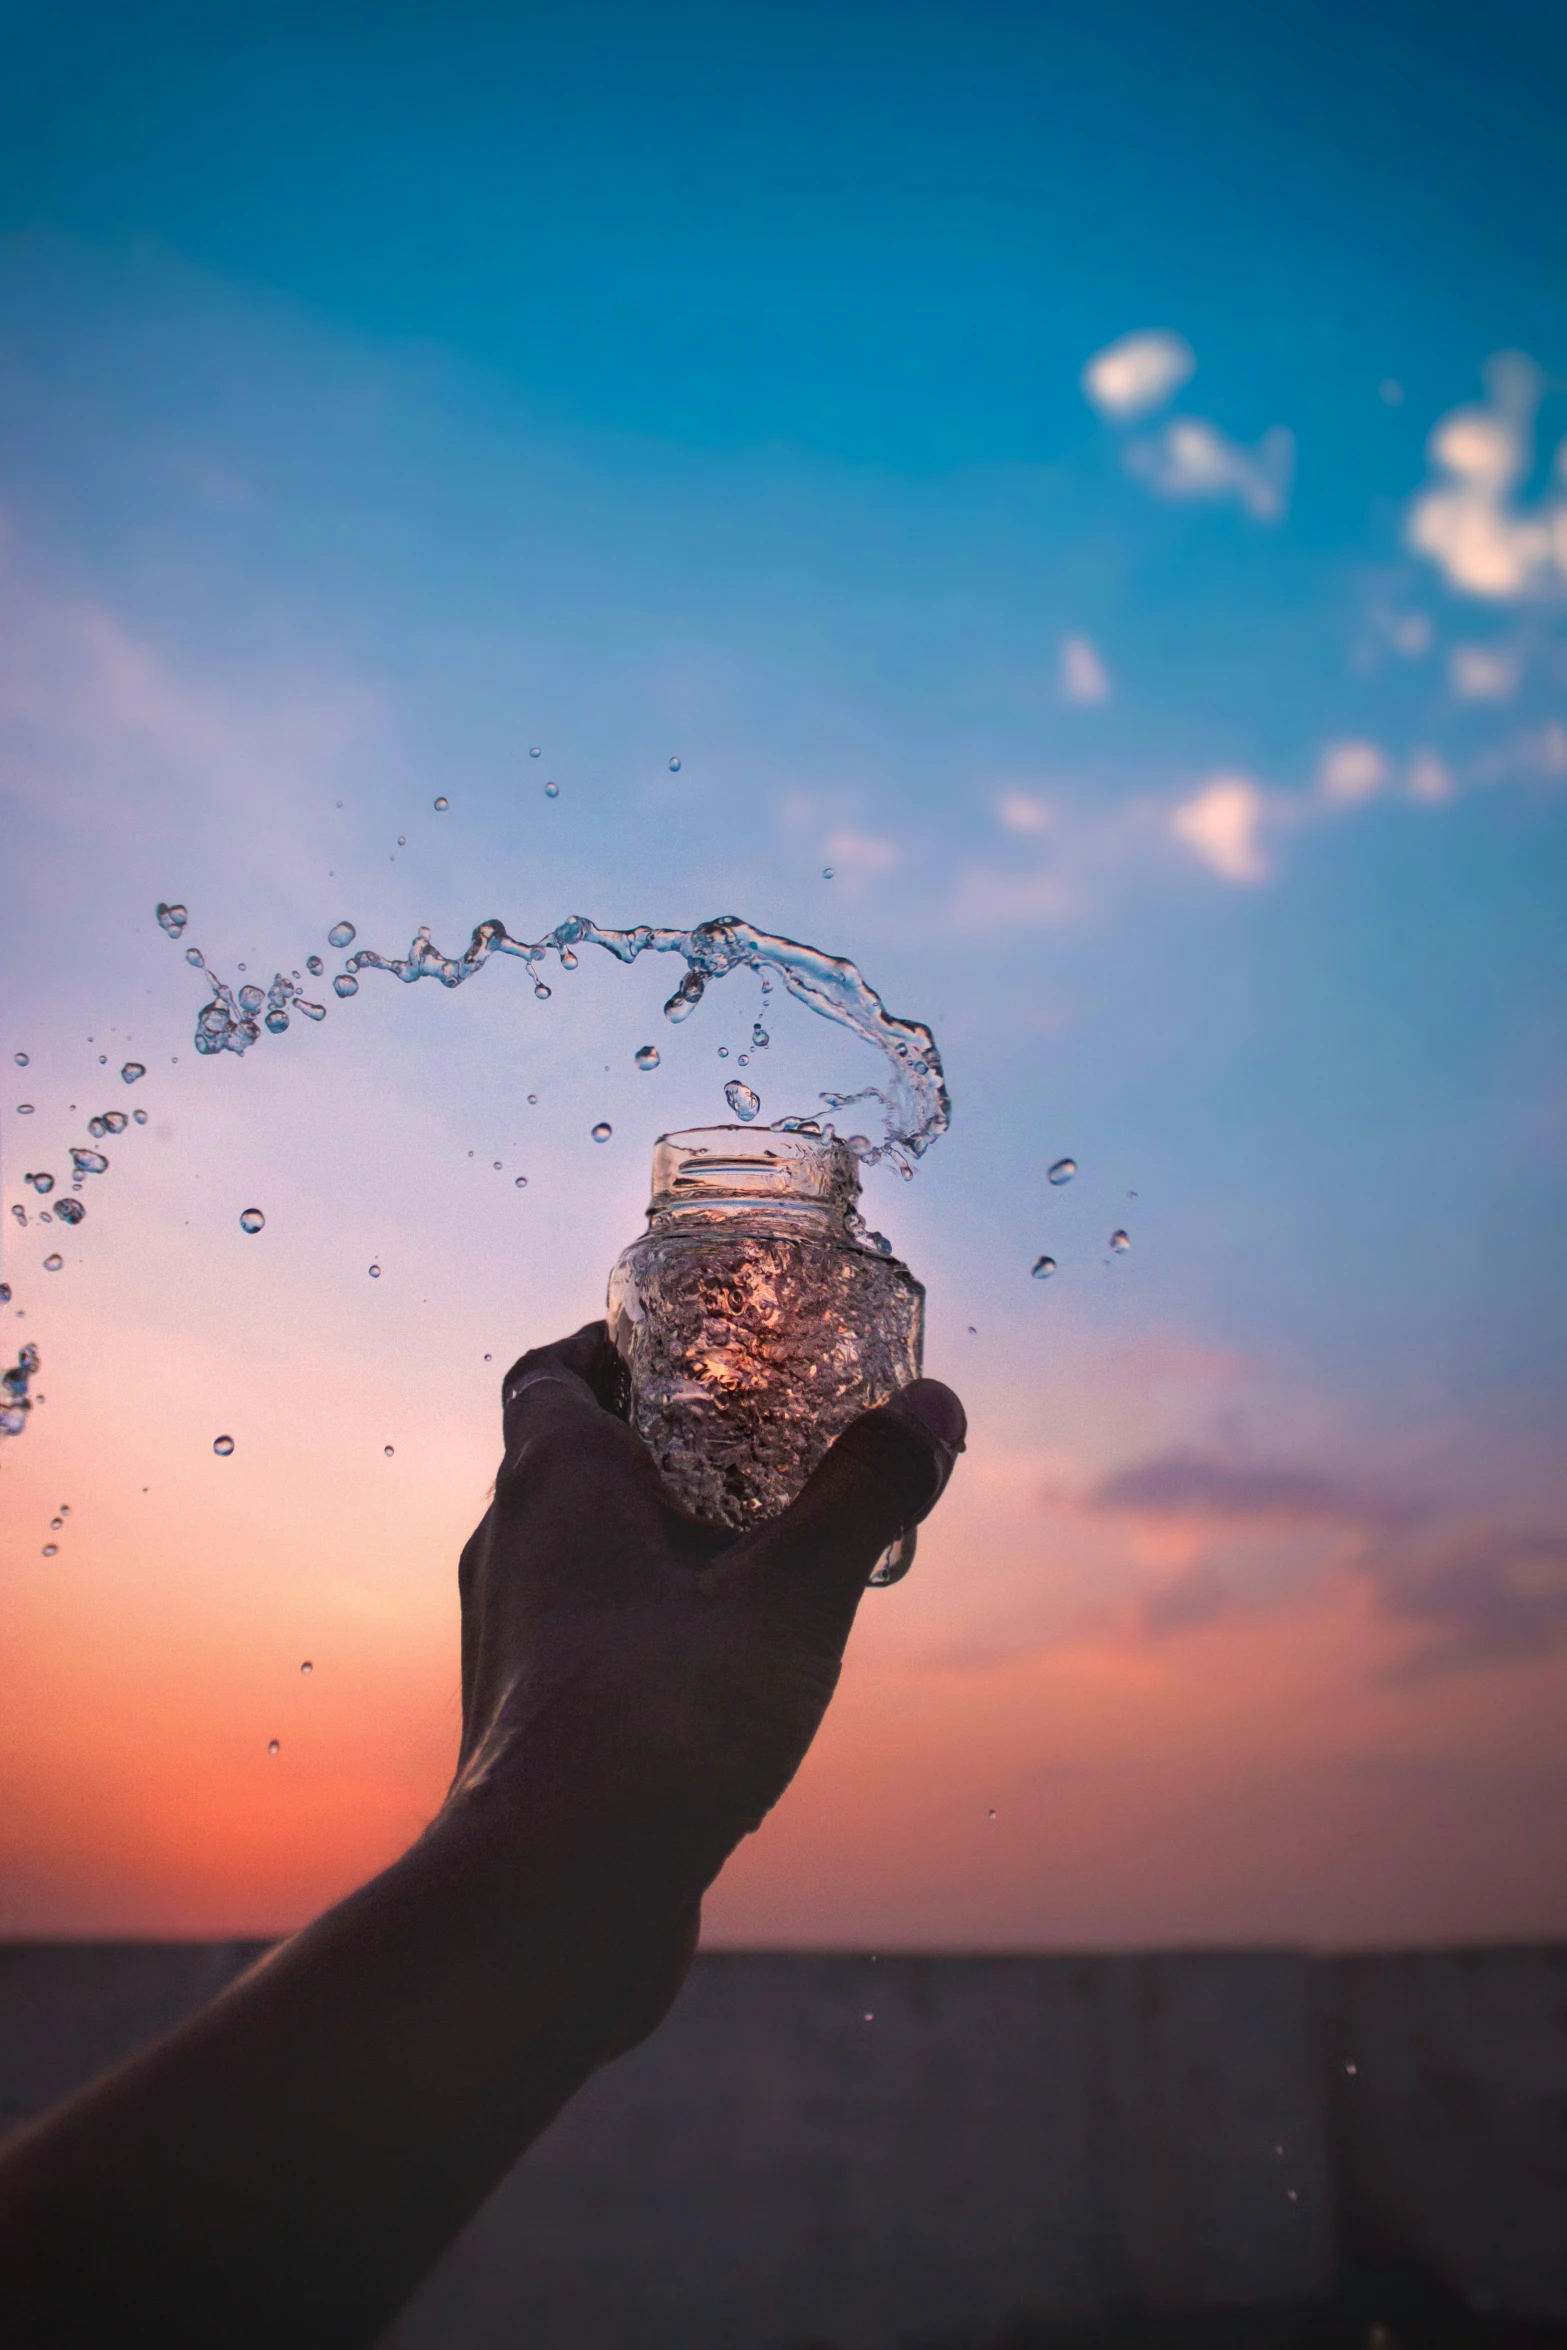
<point x="661" y="1677"/>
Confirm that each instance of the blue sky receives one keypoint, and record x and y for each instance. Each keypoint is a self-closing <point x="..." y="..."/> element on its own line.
<point x="1092" y="483"/>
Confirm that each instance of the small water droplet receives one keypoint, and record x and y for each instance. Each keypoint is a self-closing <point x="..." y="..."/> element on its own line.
<point x="972" y="1331"/>
<point x="519" y="1183"/>
<point x="536" y="752"/>
<point x="98" y="1127"/>
<point x="541" y="991"/>
<point x="52" y="1264"/>
<point x="741" y="1099"/>
<point x="21" y="1060"/>
<point x="345" y="984"/>
<point x="489" y="1358"/>
<point x="307" y="1666"/>
<point x="172" y="919"/>
<point x="251" y="1220"/>
<point x="1119" y="1242"/>
<point x="1043" y="1267"/>
<point x="1131" y="1195"/>
<point x="870" y="2015"/>
<point x="1351" y="2069"/>
<point x="140" y="1117"/>
<point x="990" y="1815"/>
<point x="223" y="1446"/>
<point x="193" y="956"/>
<point x="272" y="1743"/>
<point x="115" y="1121"/>
<point x="827" y="873"/>
<point x="1062" y="1172"/>
<point x="375" y="1272"/>
<point x="56" y="1524"/>
<point x="24" y="1109"/>
<point x="132" y="1070"/>
<point x="674" y="766"/>
<point x="70" y="1211"/>
<point x="388" y="1449"/>
<point x="760" y="1037"/>
<point x="533" y="1099"/>
<point x="603" y="1130"/>
<point x="51" y="1550"/>
<point x="647" y="1057"/>
<point x="552" y="791"/>
<point x="442" y="803"/>
<point x="314" y="965"/>
<point x="742" y="1060"/>
<point x="341" y="934"/>
<point x="723" y="1052"/>
<point x="40" y="1183"/>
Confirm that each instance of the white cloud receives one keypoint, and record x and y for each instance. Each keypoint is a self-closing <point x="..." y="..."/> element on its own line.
<point x="1084" y="677"/>
<point x="860" y="853"/>
<point x="1351" y="771"/>
<point x="987" y="899"/>
<point x="1221" y="823"/>
<point x="1191" y="458"/>
<point x="1467" y="520"/>
<point x="1021" y="811"/>
<point x="1483" y="673"/>
<point x="1428" y="780"/>
<point x="1136" y="375"/>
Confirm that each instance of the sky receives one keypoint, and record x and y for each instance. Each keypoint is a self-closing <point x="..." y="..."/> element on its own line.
<point x="1083" y="498"/>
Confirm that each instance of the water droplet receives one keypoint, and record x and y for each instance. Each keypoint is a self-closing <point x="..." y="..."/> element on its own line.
<point x="115" y="1121"/>
<point x="70" y="1211"/>
<point x="172" y="919"/>
<point x="223" y="1446"/>
<point x="132" y="1070"/>
<point x="552" y="791"/>
<point x="759" y="1037"/>
<point x="193" y="956"/>
<point x="489" y="1358"/>
<point x="307" y="1666"/>
<point x="21" y="1060"/>
<point x="1351" y="2069"/>
<point x="1062" y="1172"/>
<point x="314" y="965"/>
<point x="345" y="984"/>
<point x="495" y="1163"/>
<point x="375" y="1272"/>
<point x="827" y="873"/>
<point x="536" y="752"/>
<point x="65" y="1507"/>
<point x="51" y="1550"/>
<point x="272" y="1743"/>
<point x="251" y="1220"/>
<point x="388" y="1449"/>
<point x="55" y="1524"/>
<point x="341" y="934"/>
<point x="741" y="1099"/>
<point x="870" y="2015"/>
<point x="742" y="1060"/>
<point x="52" y="1264"/>
<point x="442" y="803"/>
<point x="1043" y="1268"/>
<point x="674" y="766"/>
<point x="43" y="1184"/>
<point x="1119" y="1242"/>
<point x="1131" y="1195"/>
<point x="723" y="1052"/>
<point x="98" y="1127"/>
<point x="990" y="1815"/>
<point x="402" y="840"/>
<point x="541" y="991"/>
<point x="24" y="1109"/>
<point x="520" y="1183"/>
<point x="140" y="1117"/>
<point x="647" y="1057"/>
<point x="603" y="1130"/>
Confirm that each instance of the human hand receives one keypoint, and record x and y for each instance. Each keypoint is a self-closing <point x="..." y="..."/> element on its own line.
<point x="661" y="1677"/>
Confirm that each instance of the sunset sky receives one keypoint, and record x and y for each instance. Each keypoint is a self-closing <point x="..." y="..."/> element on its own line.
<point x="1094" y="480"/>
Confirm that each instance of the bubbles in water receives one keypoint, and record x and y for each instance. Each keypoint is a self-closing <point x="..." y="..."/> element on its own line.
<point x="603" y="1130"/>
<point x="1062" y="1172"/>
<point x="388" y="1449"/>
<point x="341" y="934"/>
<point x="172" y="919"/>
<point x="272" y="1746"/>
<point x="42" y="1184"/>
<point x="51" y="1550"/>
<point x="552" y="791"/>
<point x="223" y="1446"/>
<point x="314" y="965"/>
<point x="759" y="1037"/>
<point x="307" y="1666"/>
<point x="741" y="1099"/>
<point x="21" y="1060"/>
<point x="536" y="752"/>
<point x="647" y="1057"/>
<point x="52" y="1264"/>
<point x="345" y="984"/>
<point x="132" y="1070"/>
<point x="674" y="766"/>
<point x="442" y="803"/>
<point x="1120" y="1242"/>
<point x="827" y="873"/>
<point x="24" y="1109"/>
<point x="251" y="1220"/>
<point x="70" y="1211"/>
<point x="1043" y="1267"/>
<point x="520" y="1183"/>
<point x="140" y="1117"/>
<point x="375" y="1272"/>
<point x="89" y="1162"/>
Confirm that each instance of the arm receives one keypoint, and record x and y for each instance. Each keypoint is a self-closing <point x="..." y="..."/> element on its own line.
<point x="638" y="1690"/>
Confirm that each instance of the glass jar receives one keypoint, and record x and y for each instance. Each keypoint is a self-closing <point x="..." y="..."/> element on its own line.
<point x="757" y="1318"/>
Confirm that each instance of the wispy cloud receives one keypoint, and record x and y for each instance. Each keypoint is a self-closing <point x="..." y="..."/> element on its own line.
<point x="1349" y="772"/>
<point x="1468" y="519"/>
<point x="1134" y="376"/>
<point x="1191" y="458"/>
<point x="1483" y="673"/>
<point x="1084" y="677"/>
<point x="1222" y="823"/>
<point x="1201" y="1485"/>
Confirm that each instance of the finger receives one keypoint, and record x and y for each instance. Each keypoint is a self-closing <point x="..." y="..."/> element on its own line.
<point x="591" y="1354"/>
<point x="884" y="1474"/>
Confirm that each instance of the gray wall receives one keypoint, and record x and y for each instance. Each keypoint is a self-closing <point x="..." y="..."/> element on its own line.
<point x="1050" y="2137"/>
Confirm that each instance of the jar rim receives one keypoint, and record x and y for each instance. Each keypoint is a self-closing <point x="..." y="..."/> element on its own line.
<point x="750" y="1163"/>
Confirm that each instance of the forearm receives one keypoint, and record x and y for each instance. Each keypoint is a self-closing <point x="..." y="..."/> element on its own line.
<point x="290" y="2163"/>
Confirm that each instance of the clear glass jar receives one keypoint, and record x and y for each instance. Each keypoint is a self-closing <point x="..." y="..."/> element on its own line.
<point x="757" y="1319"/>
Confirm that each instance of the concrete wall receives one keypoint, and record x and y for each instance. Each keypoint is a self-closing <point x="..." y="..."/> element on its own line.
<point x="1006" y="2137"/>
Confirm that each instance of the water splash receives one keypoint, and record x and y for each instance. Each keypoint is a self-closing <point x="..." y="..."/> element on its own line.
<point x="1062" y="1172"/>
<point x="646" y="1057"/>
<point x="913" y="1094"/>
<point x="741" y="1099"/>
<point x="15" y="1403"/>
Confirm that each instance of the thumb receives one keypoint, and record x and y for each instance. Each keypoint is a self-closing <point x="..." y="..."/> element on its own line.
<point x="884" y="1474"/>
